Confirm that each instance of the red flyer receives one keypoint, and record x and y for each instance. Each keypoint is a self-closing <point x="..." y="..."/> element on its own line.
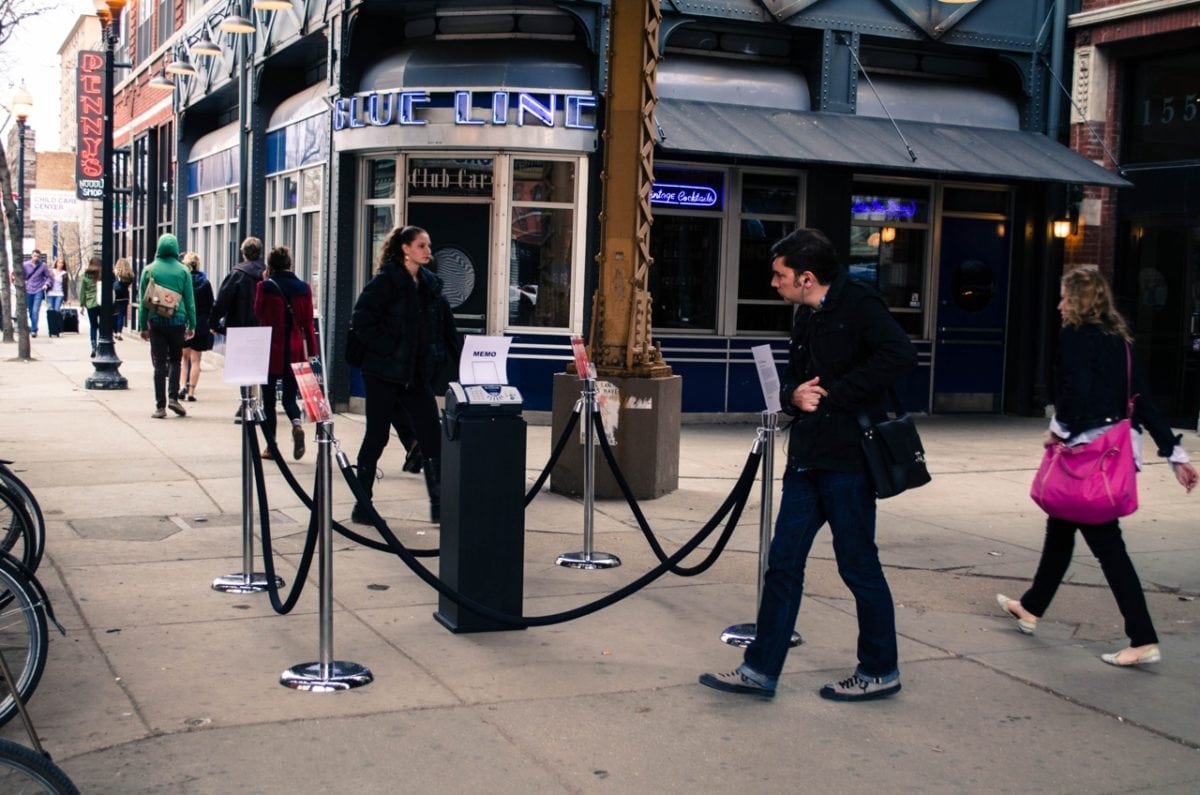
<point x="315" y="404"/>
<point x="582" y="366"/>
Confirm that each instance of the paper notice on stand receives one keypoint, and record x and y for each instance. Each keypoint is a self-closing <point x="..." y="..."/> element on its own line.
<point x="768" y="376"/>
<point x="484" y="360"/>
<point x="247" y="355"/>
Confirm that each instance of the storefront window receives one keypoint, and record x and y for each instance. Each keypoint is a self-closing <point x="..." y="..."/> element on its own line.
<point x="684" y="278"/>
<point x="770" y="205"/>
<point x="382" y="179"/>
<point x="380" y="221"/>
<point x="686" y="244"/>
<point x="540" y="254"/>
<point x="889" y="233"/>
<point x="212" y="223"/>
<point x="289" y="192"/>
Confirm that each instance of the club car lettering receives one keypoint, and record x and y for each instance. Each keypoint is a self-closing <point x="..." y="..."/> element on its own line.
<point x="520" y="109"/>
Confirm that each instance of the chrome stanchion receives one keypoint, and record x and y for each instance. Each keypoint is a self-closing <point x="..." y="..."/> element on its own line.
<point x="743" y="634"/>
<point x="588" y="559"/>
<point x="327" y="675"/>
<point x="247" y="580"/>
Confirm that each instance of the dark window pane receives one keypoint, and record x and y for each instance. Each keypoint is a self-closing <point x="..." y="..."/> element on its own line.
<point x="754" y="257"/>
<point x="382" y="179"/>
<point x="965" y="200"/>
<point x="757" y="317"/>
<point x="539" y="180"/>
<point x="683" y="279"/>
<point x="769" y="194"/>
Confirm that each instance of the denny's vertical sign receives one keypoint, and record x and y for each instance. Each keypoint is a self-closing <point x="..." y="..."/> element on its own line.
<point x="89" y="103"/>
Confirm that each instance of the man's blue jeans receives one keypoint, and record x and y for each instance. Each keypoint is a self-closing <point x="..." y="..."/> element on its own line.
<point x="810" y="499"/>
<point x="33" y="301"/>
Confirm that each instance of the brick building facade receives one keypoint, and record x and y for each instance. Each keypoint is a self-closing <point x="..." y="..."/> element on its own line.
<point x="1137" y="104"/>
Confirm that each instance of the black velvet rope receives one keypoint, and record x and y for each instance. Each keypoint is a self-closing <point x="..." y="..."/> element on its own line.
<point x="736" y="500"/>
<point x="309" y="503"/>
<point x="264" y="520"/>
<point x="559" y="446"/>
<point x="659" y="552"/>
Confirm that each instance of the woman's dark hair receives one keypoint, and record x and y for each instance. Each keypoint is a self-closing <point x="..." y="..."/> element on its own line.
<point x="280" y="259"/>
<point x="391" y="250"/>
<point x="808" y="250"/>
<point x="93" y="265"/>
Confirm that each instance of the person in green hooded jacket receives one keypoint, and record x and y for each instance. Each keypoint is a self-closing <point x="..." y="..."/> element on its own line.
<point x="167" y="334"/>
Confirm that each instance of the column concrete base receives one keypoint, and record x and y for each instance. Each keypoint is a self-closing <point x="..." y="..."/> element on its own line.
<point x="647" y="448"/>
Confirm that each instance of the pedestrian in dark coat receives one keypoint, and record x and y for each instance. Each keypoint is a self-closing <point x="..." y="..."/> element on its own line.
<point x="846" y="352"/>
<point x="283" y="301"/>
<point x="407" y="328"/>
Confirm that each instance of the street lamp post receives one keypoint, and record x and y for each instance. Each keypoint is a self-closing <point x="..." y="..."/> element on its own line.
<point x="22" y="104"/>
<point x="107" y="373"/>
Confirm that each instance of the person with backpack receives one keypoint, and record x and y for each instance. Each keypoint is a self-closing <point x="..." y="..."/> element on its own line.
<point x="283" y="301"/>
<point x="234" y="306"/>
<point x="166" y="317"/>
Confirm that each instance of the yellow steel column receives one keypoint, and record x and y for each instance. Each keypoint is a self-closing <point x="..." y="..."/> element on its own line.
<point x="620" y="338"/>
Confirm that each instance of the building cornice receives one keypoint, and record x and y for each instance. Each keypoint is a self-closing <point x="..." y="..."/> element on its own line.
<point x="1134" y="8"/>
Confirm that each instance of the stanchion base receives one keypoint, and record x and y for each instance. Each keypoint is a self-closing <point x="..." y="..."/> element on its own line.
<point x="240" y="583"/>
<point x="596" y="560"/>
<point x="342" y="676"/>
<point x="742" y="635"/>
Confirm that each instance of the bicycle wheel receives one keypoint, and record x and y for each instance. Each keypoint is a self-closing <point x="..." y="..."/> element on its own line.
<point x="18" y="533"/>
<point x="23" y="639"/>
<point x="24" y="770"/>
<point x="37" y="539"/>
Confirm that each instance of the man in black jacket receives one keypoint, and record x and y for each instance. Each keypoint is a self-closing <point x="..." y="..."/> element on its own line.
<point x="846" y="351"/>
<point x="235" y="298"/>
<point x="234" y="306"/>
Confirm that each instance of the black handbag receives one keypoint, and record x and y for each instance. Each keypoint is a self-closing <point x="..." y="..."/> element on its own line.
<point x="894" y="453"/>
<point x="355" y="350"/>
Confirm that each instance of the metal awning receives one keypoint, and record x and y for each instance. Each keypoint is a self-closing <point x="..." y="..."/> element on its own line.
<point x="866" y="143"/>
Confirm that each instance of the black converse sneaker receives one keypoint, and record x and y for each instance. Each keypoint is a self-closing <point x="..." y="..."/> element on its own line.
<point x="737" y="682"/>
<point x="861" y="688"/>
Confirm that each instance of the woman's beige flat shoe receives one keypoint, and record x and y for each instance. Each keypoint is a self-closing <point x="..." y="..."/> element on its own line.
<point x="1131" y="656"/>
<point x="1025" y="625"/>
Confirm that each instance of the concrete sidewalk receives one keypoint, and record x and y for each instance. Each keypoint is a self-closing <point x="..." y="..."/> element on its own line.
<point x="163" y="685"/>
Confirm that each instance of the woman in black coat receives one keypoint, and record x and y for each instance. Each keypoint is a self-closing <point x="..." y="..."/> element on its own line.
<point x="1094" y="381"/>
<point x="202" y="340"/>
<point x="407" y="329"/>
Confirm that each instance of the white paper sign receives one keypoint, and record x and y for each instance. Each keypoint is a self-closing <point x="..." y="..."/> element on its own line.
<point x="484" y="360"/>
<point x="768" y="376"/>
<point x="247" y="355"/>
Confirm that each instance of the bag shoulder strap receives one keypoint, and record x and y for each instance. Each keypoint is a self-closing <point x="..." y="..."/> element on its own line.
<point x="864" y="421"/>
<point x="1129" y="396"/>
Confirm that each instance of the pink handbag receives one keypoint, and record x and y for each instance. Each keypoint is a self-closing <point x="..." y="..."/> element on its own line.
<point x="1091" y="483"/>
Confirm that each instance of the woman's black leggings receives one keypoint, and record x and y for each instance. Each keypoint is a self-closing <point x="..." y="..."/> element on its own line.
<point x="1109" y="548"/>
<point x="389" y="403"/>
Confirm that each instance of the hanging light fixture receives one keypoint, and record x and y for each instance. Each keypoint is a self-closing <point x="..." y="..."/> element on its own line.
<point x="235" y="23"/>
<point x="205" y="46"/>
<point x="181" y="66"/>
<point x="887" y="234"/>
<point x="1062" y="228"/>
<point x="161" y="82"/>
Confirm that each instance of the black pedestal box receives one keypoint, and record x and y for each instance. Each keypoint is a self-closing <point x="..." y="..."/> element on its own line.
<point x="483" y="518"/>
